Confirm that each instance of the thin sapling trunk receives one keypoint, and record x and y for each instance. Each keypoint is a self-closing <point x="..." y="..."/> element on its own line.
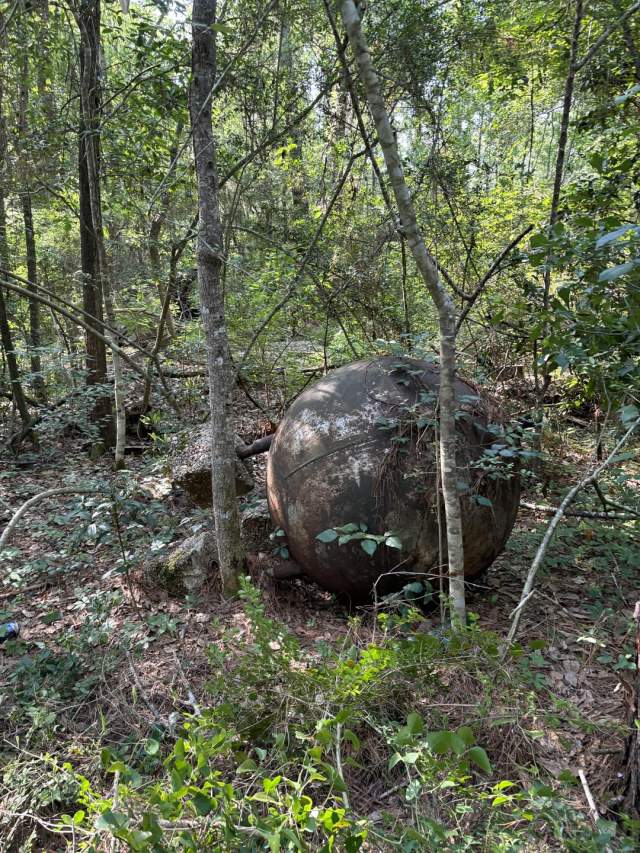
<point x="446" y="312"/>
<point x="210" y="261"/>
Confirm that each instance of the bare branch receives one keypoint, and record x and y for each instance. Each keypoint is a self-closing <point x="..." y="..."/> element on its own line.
<point x="551" y="529"/>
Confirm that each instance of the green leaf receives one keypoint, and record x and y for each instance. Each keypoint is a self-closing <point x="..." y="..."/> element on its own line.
<point x="274" y="842"/>
<point x="369" y="546"/>
<point x="202" y="804"/>
<point x="620" y="99"/>
<point x="465" y="733"/>
<point x="329" y="535"/>
<point x="613" y="235"/>
<point x="393" y="542"/>
<point x="414" y="723"/>
<point x="568" y="777"/>
<point x="353" y="739"/>
<point x="348" y="528"/>
<point x="457" y="744"/>
<point x="480" y="758"/>
<point x="52" y="616"/>
<point x="482" y="501"/>
<point x="439" y="742"/>
<point x="111" y="821"/>
<point x="395" y="759"/>
<point x="615" y="272"/>
<point x="247" y="766"/>
<point x="152" y="746"/>
<point x="629" y="414"/>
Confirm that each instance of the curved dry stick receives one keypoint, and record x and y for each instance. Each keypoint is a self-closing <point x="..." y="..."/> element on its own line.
<point x="26" y="506"/>
<point x="582" y="513"/>
<point x="527" y="590"/>
<point x="76" y="319"/>
<point x="104" y="326"/>
<point x="17" y="289"/>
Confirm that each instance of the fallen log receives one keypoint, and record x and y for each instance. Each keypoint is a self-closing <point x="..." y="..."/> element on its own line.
<point x="260" y="445"/>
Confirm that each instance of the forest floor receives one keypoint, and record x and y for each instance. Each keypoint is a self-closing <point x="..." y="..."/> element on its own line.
<point x="80" y="613"/>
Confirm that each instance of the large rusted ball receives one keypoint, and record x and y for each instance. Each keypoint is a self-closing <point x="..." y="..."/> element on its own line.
<point x="359" y="448"/>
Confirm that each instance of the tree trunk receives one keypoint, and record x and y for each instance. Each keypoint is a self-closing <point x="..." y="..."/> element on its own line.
<point x="96" y="351"/>
<point x="34" y="306"/>
<point x="564" y="133"/>
<point x="5" y="330"/>
<point x="155" y="229"/>
<point x="445" y="308"/>
<point x="90" y="102"/>
<point x="209" y="256"/>
<point x="29" y="233"/>
<point x="12" y="361"/>
<point x="629" y="40"/>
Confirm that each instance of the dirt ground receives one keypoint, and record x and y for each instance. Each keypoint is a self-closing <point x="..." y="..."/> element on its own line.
<point x="582" y="611"/>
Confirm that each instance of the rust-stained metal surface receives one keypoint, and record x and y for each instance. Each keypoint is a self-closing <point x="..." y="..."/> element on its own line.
<point x="352" y="448"/>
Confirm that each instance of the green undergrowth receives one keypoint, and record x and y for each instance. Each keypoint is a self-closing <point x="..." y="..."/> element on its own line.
<point x="409" y="740"/>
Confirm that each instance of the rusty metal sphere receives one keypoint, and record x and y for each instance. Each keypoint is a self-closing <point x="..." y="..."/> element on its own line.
<point x="358" y="447"/>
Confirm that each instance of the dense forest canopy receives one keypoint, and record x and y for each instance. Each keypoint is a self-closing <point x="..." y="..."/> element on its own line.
<point x="206" y="209"/>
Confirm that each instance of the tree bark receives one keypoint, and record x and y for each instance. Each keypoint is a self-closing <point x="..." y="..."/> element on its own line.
<point x="96" y="351"/>
<point x="5" y="330"/>
<point x="629" y="40"/>
<point x="155" y="229"/>
<point x="542" y="387"/>
<point x="90" y="102"/>
<point x="29" y="232"/>
<point x="444" y="306"/>
<point x="210" y="261"/>
<point x="564" y="133"/>
<point x="35" y="340"/>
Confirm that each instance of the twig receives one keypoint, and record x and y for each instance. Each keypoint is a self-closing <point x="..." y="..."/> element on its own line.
<point x="631" y="794"/>
<point x="551" y="529"/>
<point x="580" y="513"/>
<point x="115" y="803"/>
<point x="595" y="47"/>
<point x="260" y="445"/>
<point x="192" y="699"/>
<point x="345" y="796"/>
<point x="593" y="809"/>
<point x="157" y="716"/>
<point x="20" y="590"/>
<point x="26" y="506"/>
<point x="493" y="269"/>
<point x="606" y="502"/>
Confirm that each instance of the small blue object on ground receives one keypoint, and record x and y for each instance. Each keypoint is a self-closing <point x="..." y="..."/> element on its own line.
<point x="9" y="631"/>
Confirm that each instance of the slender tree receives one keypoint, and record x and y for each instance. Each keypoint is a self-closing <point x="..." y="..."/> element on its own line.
<point x="428" y="269"/>
<point x="96" y="351"/>
<point x="88" y="19"/>
<point x="5" y="329"/>
<point x="157" y="223"/>
<point x="210" y="262"/>
<point x="29" y="231"/>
